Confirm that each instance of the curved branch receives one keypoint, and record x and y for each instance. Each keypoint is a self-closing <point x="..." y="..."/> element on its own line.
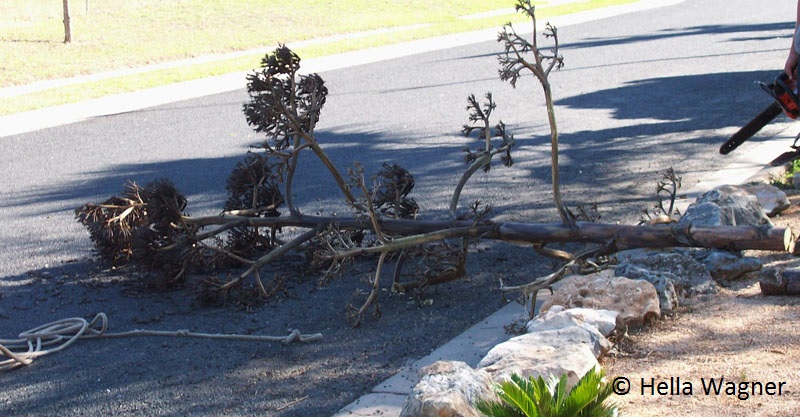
<point x="271" y="256"/>
<point x="415" y="240"/>
<point x="323" y="157"/>
<point x="480" y="162"/>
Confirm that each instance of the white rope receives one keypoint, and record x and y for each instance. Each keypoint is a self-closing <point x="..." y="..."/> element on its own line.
<point x="58" y="335"/>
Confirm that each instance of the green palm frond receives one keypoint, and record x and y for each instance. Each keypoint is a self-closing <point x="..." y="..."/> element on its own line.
<point x="533" y="397"/>
<point x="498" y="409"/>
<point x="592" y="390"/>
<point x="521" y="394"/>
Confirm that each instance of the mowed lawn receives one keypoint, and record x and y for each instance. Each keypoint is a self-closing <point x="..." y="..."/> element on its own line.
<point x="116" y="34"/>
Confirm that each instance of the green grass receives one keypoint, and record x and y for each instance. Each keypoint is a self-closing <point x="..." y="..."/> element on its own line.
<point x="115" y="35"/>
<point x="791" y="169"/>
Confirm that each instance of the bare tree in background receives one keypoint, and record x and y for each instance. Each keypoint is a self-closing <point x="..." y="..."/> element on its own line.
<point x="67" y="26"/>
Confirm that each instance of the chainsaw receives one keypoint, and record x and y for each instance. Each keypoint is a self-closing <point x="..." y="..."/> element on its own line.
<point x="784" y="101"/>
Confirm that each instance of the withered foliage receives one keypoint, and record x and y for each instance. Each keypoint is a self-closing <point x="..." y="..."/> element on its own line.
<point x="517" y="47"/>
<point x="522" y="55"/>
<point x="283" y="105"/>
<point x="147" y="228"/>
<point x="434" y="263"/>
<point x="113" y="223"/>
<point x="254" y="187"/>
<point x="326" y="244"/>
<point x="253" y="190"/>
<point x="666" y="189"/>
<point x="390" y="193"/>
<point x="144" y="225"/>
<point x="480" y="121"/>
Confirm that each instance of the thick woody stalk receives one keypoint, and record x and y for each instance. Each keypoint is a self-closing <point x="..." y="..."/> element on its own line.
<point x="624" y="236"/>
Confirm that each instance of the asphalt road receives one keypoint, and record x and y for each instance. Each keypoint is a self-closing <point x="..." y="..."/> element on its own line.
<point x="639" y="93"/>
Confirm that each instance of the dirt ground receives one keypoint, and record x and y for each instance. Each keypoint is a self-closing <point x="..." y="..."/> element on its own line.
<point x="738" y="334"/>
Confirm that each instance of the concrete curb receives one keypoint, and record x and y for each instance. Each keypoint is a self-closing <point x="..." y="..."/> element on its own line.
<point x="388" y="397"/>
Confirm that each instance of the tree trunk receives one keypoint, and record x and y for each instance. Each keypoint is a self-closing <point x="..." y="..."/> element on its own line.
<point x="67" y="26"/>
<point x="623" y="236"/>
<point x="777" y="282"/>
<point x="628" y="237"/>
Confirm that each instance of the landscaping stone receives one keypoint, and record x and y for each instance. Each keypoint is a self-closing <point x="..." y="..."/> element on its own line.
<point x="690" y="277"/>
<point x="772" y="199"/>
<point x="724" y="265"/>
<point x="448" y="389"/>
<point x="588" y="336"/>
<point x="636" y="301"/>
<point x="725" y="205"/>
<point x="664" y="283"/>
<point x="528" y="357"/>
<point x="557" y="317"/>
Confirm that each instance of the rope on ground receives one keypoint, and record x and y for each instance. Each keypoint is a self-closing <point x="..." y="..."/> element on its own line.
<point x="58" y="335"/>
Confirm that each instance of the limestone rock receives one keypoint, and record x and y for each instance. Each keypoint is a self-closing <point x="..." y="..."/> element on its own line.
<point x="690" y="276"/>
<point x="523" y="356"/>
<point x="724" y="265"/>
<point x="771" y="198"/>
<point x="664" y="283"/>
<point x="636" y="301"/>
<point x="588" y="336"/>
<point x="448" y="389"/>
<point x="725" y="205"/>
<point x="557" y="317"/>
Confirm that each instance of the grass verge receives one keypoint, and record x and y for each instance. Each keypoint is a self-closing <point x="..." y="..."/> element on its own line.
<point x="30" y="47"/>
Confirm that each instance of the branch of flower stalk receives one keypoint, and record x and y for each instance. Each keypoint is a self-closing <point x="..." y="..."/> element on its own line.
<point x="480" y="162"/>
<point x="625" y="236"/>
<point x="311" y="141"/>
<point x="272" y="255"/>
<point x="416" y="240"/>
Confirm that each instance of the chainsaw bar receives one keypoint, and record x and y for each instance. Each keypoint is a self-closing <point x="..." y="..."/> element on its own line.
<point x="785" y="158"/>
<point x="751" y="128"/>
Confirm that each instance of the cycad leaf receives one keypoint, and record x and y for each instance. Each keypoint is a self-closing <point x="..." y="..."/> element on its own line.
<point x="533" y="397"/>
<point x="498" y="409"/>
<point x="518" y="393"/>
<point x="582" y="393"/>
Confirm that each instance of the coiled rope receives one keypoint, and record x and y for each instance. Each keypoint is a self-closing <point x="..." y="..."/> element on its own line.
<point x="58" y="335"/>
